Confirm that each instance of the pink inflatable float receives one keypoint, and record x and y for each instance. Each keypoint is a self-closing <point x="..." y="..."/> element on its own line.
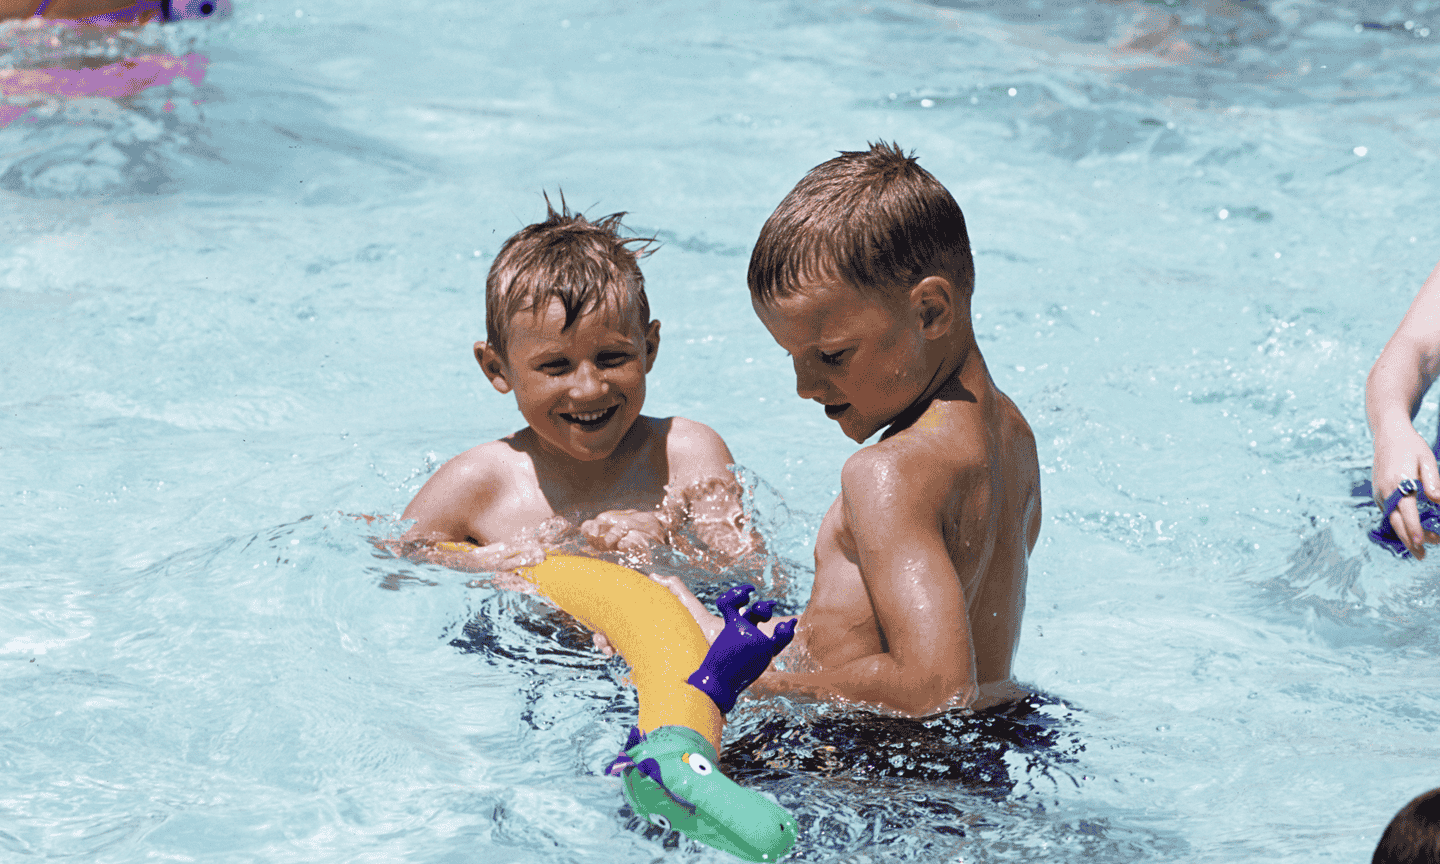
<point x="20" y="89"/>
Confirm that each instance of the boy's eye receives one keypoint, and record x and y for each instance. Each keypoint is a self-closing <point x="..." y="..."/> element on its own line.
<point x="555" y="367"/>
<point x="831" y="358"/>
<point x="613" y="358"/>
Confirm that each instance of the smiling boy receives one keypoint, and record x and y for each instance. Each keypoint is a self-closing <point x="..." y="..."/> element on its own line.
<point x="863" y="274"/>
<point x="569" y="333"/>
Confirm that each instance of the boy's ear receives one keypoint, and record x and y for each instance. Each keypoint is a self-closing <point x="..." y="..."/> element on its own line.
<point x="933" y="301"/>
<point x="652" y="345"/>
<point x="493" y="365"/>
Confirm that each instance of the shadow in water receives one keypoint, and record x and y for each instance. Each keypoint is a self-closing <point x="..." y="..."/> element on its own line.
<point x="1359" y="596"/>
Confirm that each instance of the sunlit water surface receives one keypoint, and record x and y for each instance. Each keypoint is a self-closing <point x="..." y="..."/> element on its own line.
<point x="230" y="325"/>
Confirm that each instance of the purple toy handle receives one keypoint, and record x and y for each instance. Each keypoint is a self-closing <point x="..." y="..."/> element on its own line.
<point x="742" y="652"/>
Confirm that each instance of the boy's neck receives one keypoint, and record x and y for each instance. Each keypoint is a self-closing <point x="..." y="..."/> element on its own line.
<point x="959" y="376"/>
<point x="564" y="479"/>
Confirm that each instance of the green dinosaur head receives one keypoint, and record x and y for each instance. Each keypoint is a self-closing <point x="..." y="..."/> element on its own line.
<point x="674" y="781"/>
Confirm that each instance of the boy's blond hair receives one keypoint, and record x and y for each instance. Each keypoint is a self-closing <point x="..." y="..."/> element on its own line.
<point x="581" y="263"/>
<point x="874" y="218"/>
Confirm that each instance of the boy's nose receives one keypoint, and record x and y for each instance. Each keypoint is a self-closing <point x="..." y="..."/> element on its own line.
<point x="587" y="383"/>
<point x="807" y="384"/>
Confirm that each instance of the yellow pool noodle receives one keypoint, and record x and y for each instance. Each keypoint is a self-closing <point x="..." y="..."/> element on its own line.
<point x="648" y="626"/>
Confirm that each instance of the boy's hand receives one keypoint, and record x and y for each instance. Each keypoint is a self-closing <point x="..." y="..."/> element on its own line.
<point x="499" y="558"/>
<point x="629" y="531"/>
<point x="712" y="509"/>
<point x="602" y="644"/>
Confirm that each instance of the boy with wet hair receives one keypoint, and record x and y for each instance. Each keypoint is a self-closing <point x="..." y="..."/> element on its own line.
<point x="863" y="274"/>
<point x="1413" y="836"/>
<point x="568" y="331"/>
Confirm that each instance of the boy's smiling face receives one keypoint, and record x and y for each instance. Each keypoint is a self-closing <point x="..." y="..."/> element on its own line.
<point x="580" y="389"/>
<point x="856" y="353"/>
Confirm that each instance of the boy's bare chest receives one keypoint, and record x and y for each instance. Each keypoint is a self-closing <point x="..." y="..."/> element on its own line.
<point x="529" y="501"/>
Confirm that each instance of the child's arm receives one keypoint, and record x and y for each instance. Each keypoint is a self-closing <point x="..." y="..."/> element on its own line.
<point x="1396" y="384"/>
<point x="701" y="495"/>
<point x="894" y="511"/>
<point x="630" y="531"/>
<point x="447" y="528"/>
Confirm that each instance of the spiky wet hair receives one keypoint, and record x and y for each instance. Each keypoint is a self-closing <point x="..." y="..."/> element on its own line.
<point x="583" y="264"/>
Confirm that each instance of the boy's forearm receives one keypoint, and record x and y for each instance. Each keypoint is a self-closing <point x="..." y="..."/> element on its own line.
<point x="712" y="511"/>
<point x="470" y="558"/>
<point x="874" y="680"/>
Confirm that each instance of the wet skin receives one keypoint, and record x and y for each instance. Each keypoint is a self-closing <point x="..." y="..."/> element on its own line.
<point x="921" y="562"/>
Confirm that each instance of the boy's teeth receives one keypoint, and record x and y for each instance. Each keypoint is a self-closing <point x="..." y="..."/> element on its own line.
<point x="589" y="417"/>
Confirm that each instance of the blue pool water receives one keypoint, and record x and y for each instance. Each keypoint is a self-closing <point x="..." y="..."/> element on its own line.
<point x="230" y="326"/>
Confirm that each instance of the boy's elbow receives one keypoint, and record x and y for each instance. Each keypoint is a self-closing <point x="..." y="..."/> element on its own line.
<point x="922" y="697"/>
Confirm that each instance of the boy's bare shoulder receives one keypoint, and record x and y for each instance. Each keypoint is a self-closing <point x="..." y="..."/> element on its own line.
<point x="466" y="485"/>
<point x="694" y="449"/>
<point x="920" y="469"/>
<point x="953" y="445"/>
<point x="480" y="463"/>
<point x="693" y="435"/>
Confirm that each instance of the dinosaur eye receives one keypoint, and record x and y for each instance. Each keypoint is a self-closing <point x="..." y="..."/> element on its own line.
<point x="660" y="821"/>
<point x="699" y="764"/>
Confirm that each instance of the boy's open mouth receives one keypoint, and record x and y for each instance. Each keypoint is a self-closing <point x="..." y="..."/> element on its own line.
<point x="834" y="411"/>
<point x="590" y="420"/>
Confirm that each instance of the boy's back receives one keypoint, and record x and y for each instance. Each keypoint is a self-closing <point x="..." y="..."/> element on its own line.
<point x="969" y="462"/>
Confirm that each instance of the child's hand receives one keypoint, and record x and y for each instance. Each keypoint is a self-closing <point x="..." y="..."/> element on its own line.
<point x="629" y="531"/>
<point x="460" y="555"/>
<point x="602" y="644"/>
<point x="710" y="625"/>
<point x="711" y="508"/>
<point x="1404" y="455"/>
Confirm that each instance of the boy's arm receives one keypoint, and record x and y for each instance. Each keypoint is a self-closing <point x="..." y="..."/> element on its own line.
<point x="445" y="511"/>
<point x="701" y="494"/>
<point x="894" y="512"/>
<point x="444" y="507"/>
